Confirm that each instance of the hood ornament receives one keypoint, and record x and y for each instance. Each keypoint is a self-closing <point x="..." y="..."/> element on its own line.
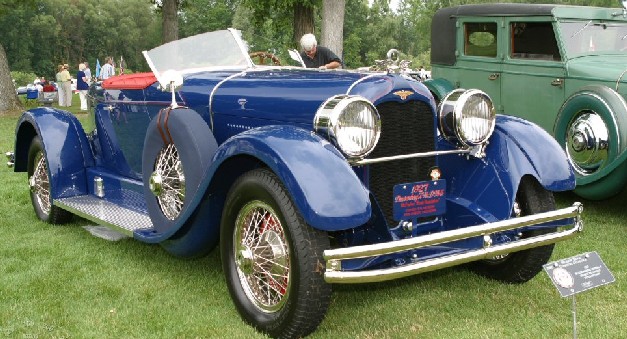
<point x="394" y="65"/>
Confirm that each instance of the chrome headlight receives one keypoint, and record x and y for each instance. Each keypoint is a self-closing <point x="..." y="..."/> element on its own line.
<point x="467" y="116"/>
<point x="352" y="123"/>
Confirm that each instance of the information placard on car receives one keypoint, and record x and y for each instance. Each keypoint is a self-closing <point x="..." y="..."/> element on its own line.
<point x="419" y="199"/>
<point x="579" y="273"/>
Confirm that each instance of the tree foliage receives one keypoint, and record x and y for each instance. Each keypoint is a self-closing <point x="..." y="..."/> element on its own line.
<point x="37" y="35"/>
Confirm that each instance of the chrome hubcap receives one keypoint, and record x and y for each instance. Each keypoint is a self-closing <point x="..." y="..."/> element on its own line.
<point x="39" y="183"/>
<point x="262" y="256"/>
<point x="167" y="182"/>
<point x="587" y="143"/>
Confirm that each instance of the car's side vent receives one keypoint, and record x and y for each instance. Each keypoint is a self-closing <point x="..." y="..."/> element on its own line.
<point x="405" y="128"/>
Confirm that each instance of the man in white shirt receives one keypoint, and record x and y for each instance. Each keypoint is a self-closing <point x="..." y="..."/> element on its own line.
<point x="107" y="70"/>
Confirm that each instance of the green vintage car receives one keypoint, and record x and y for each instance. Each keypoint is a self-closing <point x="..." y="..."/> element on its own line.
<point x="561" y="67"/>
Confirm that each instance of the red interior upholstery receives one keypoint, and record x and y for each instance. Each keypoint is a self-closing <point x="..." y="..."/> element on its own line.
<point x="130" y="81"/>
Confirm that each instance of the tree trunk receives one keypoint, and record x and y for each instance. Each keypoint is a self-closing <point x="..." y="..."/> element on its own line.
<point x="303" y="21"/>
<point x="169" y="12"/>
<point x="8" y="97"/>
<point x="333" y="25"/>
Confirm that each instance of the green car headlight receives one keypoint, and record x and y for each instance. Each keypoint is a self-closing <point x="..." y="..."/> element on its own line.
<point x="352" y="123"/>
<point x="467" y="116"/>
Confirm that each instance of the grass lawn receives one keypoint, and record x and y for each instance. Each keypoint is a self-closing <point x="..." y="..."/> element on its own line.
<point x="61" y="282"/>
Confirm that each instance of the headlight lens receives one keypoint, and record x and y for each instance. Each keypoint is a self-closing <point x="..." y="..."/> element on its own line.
<point x="467" y="116"/>
<point x="351" y="123"/>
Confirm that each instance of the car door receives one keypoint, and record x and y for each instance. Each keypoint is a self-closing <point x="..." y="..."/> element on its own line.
<point x="480" y="54"/>
<point x="533" y="75"/>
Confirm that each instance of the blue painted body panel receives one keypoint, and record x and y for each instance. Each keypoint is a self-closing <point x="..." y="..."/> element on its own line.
<point x="265" y="118"/>
<point x="323" y="186"/>
<point x="66" y="148"/>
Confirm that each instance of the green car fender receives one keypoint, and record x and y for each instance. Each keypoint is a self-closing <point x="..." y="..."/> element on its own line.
<point x="592" y="127"/>
<point x="439" y="88"/>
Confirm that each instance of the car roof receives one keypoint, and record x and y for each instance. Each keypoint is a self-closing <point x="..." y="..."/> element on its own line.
<point x="443" y="26"/>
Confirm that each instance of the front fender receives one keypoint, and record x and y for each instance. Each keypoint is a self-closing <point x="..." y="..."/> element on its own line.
<point x="65" y="145"/>
<point x="322" y="185"/>
<point x="487" y="187"/>
<point x="439" y="87"/>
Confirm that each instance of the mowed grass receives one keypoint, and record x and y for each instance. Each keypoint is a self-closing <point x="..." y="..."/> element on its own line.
<point x="61" y="282"/>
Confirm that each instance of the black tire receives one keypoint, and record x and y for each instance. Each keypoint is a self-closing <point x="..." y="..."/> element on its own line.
<point x="39" y="182"/>
<point x="288" y="307"/>
<point x="522" y="266"/>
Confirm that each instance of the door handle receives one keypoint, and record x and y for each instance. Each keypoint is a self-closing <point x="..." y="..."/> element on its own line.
<point x="494" y="76"/>
<point x="557" y="82"/>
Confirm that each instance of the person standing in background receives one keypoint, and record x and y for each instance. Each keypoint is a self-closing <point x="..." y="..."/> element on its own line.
<point x="60" y="86"/>
<point x="66" y="83"/>
<point x="82" y="86"/>
<point x="107" y="70"/>
<point x="87" y="72"/>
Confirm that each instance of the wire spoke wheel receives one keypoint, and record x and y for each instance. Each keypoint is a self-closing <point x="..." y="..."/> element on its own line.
<point x="40" y="184"/>
<point x="262" y="256"/>
<point x="167" y="182"/>
<point x="272" y="258"/>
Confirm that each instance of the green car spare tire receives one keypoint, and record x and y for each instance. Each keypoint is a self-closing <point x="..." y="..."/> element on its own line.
<point x="592" y="128"/>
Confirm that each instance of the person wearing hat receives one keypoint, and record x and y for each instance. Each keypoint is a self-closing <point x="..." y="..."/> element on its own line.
<point x="65" y="80"/>
<point x="316" y="56"/>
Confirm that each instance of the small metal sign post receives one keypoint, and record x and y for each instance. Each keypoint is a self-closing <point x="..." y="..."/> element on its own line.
<point x="577" y="274"/>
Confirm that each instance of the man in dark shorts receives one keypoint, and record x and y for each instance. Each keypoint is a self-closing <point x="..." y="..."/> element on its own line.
<point x="316" y="56"/>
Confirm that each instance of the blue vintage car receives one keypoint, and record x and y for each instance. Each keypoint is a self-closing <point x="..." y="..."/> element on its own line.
<point x="304" y="177"/>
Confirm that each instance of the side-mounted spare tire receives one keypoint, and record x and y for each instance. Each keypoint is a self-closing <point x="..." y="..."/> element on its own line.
<point x="178" y="149"/>
<point x="592" y="128"/>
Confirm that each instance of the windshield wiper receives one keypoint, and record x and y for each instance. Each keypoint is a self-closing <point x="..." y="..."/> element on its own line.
<point x="582" y="28"/>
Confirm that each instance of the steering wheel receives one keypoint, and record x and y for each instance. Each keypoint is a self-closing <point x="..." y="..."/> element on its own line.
<point x="262" y="56"/>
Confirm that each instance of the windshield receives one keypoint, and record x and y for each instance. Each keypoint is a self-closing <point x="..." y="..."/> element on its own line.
<point x="211" y="50"/>
<point x="593" y="37"/>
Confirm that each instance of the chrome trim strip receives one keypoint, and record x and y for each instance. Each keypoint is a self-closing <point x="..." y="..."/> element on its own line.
<point x="215" y="88"/>
<point x="348" y="91"/>
<point x="333" y="257"/>
<point x="409" y="156"/>
<point x="242" y="45"/>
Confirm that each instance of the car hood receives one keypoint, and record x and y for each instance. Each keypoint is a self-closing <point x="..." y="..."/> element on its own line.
<point x="604" y="68"/>
<point x="294" y="95"/>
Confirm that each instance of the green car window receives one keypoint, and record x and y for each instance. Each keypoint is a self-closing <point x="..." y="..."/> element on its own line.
<point x="533" y="40"/>
<point x="480" y="39"/>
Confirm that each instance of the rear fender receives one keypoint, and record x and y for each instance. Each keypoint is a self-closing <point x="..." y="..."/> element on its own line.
<point x="65" y="146"/>
<point x="324" y="188"/>
<point x="487" y="187"/>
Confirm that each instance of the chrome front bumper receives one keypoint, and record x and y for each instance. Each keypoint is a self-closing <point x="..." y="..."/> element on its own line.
<point x="334" y="257"/>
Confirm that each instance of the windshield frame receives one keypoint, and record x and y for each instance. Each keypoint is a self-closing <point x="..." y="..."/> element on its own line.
<point x="199" y="53"/>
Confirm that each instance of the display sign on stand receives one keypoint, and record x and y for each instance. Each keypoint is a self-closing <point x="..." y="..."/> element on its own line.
<point x="577" y="274"/>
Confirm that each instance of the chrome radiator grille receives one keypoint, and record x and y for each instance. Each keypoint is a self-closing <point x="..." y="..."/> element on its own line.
<point x="405" y="128"/>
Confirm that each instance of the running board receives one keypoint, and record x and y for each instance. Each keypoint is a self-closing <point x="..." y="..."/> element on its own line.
<point x="105" y="213"/>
